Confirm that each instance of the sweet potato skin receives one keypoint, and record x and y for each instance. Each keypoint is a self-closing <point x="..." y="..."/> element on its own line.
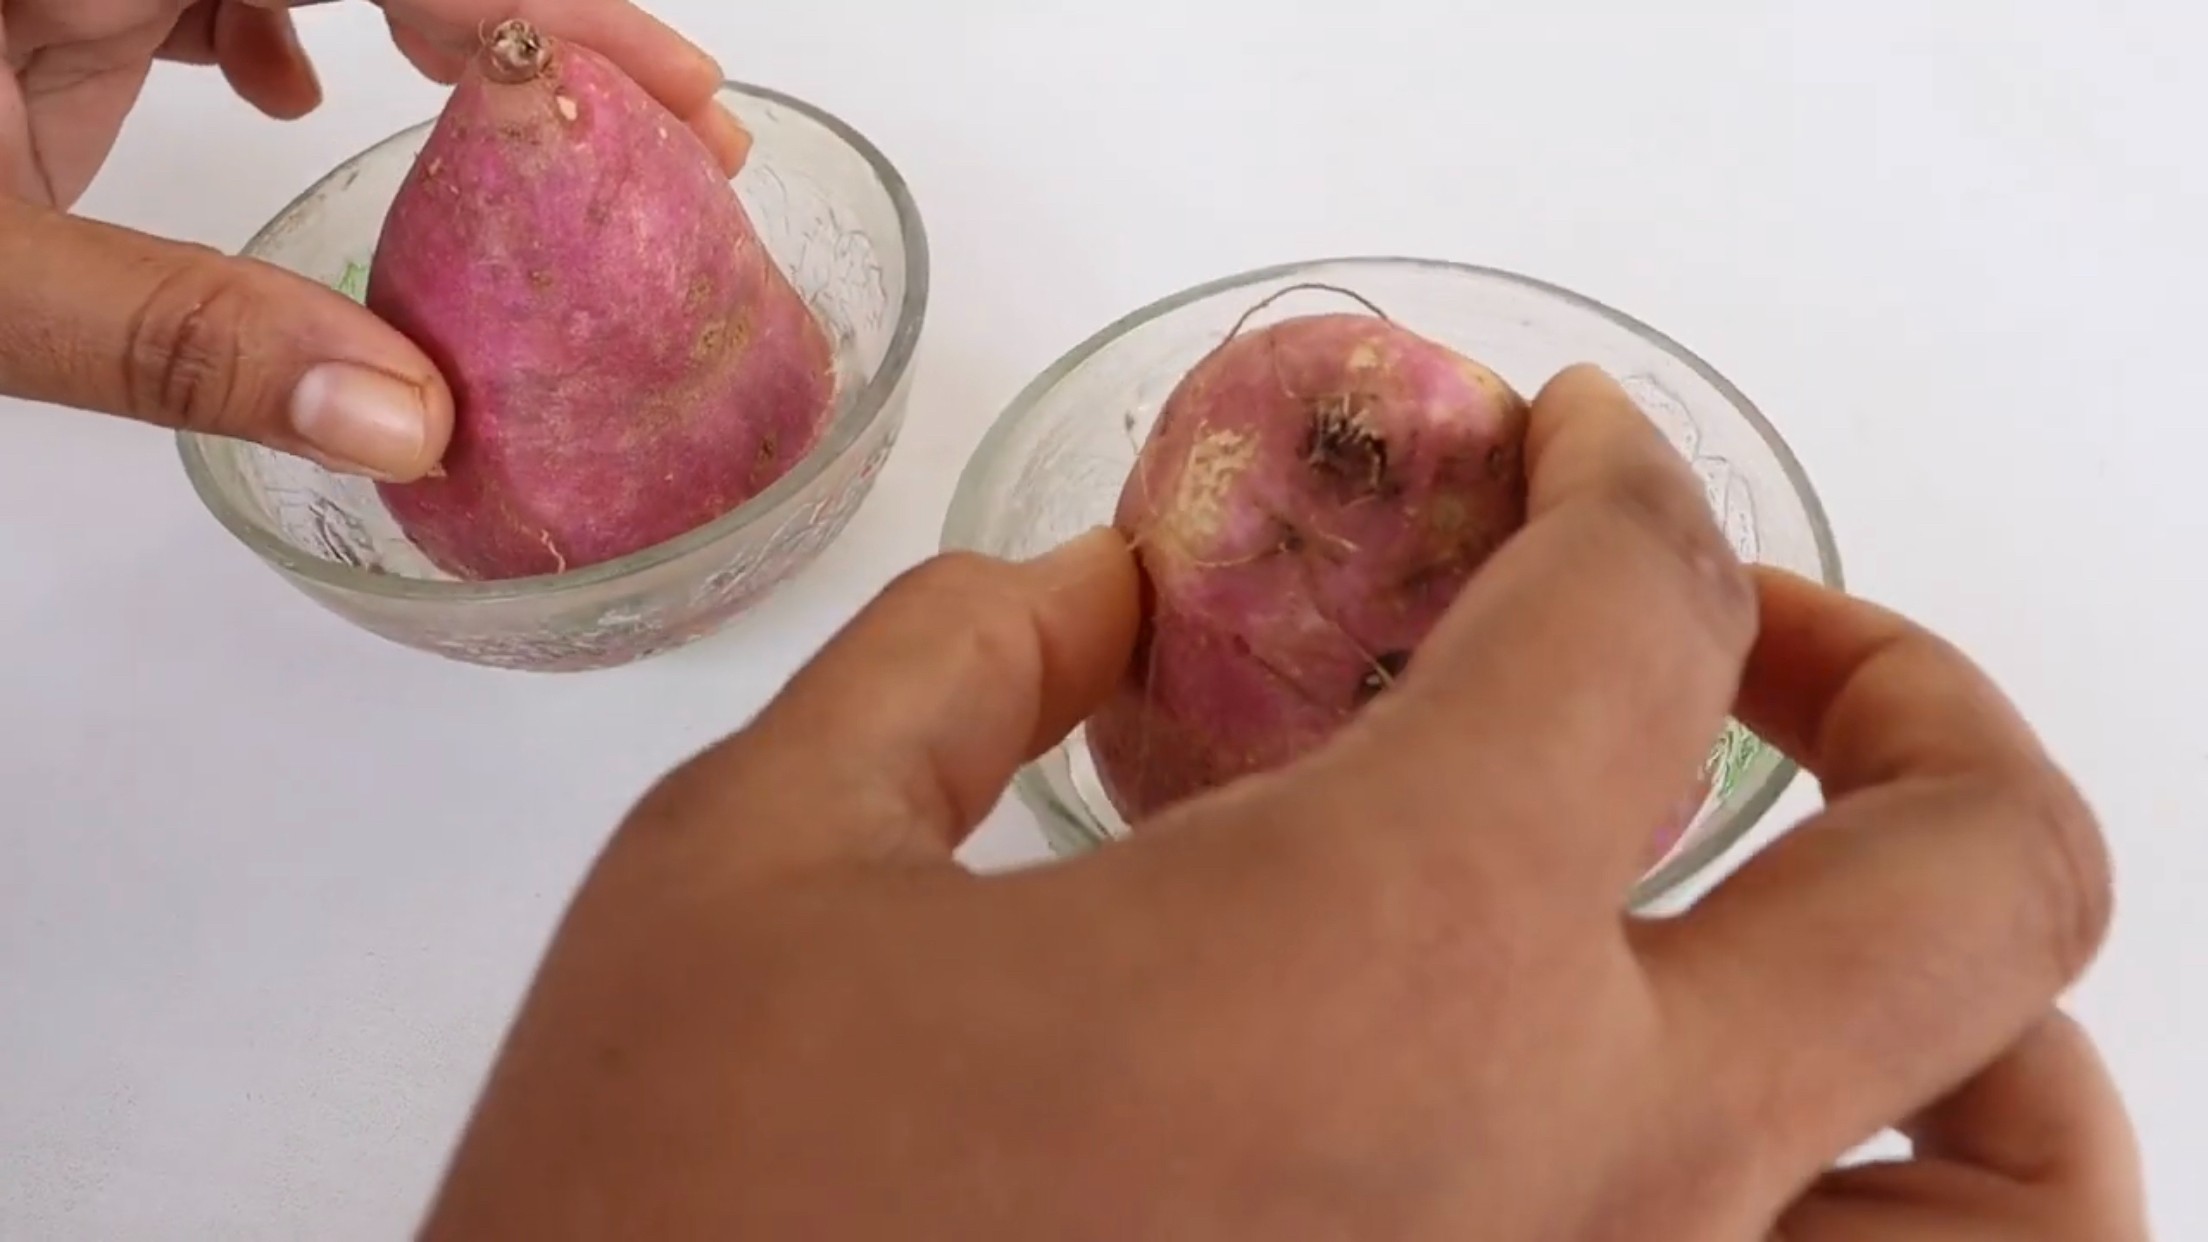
<point x="1310" y="501"/>
<point x="627" y="361"/>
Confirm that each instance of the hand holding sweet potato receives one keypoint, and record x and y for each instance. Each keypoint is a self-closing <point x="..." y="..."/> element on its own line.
<point x="1383" y="991"/>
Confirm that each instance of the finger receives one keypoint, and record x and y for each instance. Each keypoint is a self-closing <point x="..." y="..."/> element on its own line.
<point x="2047" y="1114"/>
<point x="902" y="733"/>
<point x="433" y="60"/>
<point x="63" y="114"/>
<point x="2039" y="1139"/>
<point x="723" y="135"/>
<point x="1871" y="959"/>
<point x="1577" y="684"/>
<point x="106" y="319"/>
<point x="1828" y="679"/>
<point x="191" y="41"/>
<point x="444" y="34"/>
<point x="262" y="59"/>
<point x="674" y="70"/>
<point x="440" y="59"/>
<point x="1904" y="1201"/>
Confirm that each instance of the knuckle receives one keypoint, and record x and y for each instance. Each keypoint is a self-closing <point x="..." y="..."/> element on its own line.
<point x="184" y="357"/>
<point x="1005" y="645"/>
<point x="977" y="603"/>
<point x="2070" y="868"/>
<point x="967" y="585"/>
<point x="1660" y="504"/>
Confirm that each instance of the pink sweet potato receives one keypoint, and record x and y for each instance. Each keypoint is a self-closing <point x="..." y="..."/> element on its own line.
<point x="1311" y="499"/>
<point x="627" y="360"/>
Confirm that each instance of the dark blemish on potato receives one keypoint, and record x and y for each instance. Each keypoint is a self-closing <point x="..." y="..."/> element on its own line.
<point x="540" y="280"/>
<point x="1502" y="461"/>
<point x="1341" y="443"/>
<point x="763" y="459"/>
<point x="721" y="336"/>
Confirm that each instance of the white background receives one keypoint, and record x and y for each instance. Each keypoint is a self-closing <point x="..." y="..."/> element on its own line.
<point x="269" y="886"/>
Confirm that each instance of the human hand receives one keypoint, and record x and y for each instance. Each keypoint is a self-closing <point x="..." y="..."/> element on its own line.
<point x="1386" y="993"/>
<point x="110" y="320"/>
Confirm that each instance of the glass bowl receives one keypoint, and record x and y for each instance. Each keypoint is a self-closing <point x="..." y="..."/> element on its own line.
<point x="1052" y="466"/>
<point x="838" y="219"/>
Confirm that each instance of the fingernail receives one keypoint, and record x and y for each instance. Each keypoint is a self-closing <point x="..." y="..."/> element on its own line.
<point x="297" y="53"/>
<point x="725" y="136"/>
<point x="1078" y="553"/>
<point x="707" y="61"/>
<point x="360" y="417"/>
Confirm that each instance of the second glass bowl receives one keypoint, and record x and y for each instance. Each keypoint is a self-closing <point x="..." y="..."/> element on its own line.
<point x="1053" y="464"/>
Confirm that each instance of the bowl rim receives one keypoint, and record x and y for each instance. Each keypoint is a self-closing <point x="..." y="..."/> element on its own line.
<point x="963" y="519"/>
<point x="866" y="408"/>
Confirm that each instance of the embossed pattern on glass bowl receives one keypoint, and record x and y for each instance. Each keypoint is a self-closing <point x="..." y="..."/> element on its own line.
<point x="1052" y="466"/>
<point x="839" y="220"/>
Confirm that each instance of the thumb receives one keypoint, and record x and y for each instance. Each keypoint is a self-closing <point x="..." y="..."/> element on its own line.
<point x="106" y="319"/>
<point x="899" y="736"/>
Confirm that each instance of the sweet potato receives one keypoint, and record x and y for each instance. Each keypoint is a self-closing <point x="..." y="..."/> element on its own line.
<point x="1310" y="500"/>
<point x="627" y="361"/>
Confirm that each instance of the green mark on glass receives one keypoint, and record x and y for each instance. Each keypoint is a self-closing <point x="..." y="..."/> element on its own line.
<point x="354" y="283"/>
<point x="1735" y="753"/>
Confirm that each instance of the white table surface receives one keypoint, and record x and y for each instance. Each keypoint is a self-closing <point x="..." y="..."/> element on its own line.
<point x="269" y="886"/>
